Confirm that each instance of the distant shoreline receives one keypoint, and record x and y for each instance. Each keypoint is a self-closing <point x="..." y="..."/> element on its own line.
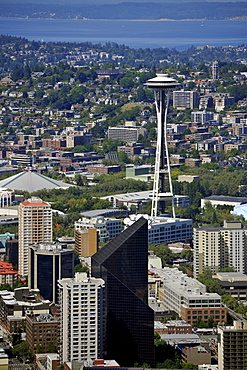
<point x="132" y="20"/>
<point x="135" y="34"/>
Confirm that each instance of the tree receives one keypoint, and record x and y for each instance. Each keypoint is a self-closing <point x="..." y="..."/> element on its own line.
<point x="126" y="82"/>
<point x="187" y="253"/>
<point x="165" y="354"/>
<point x="5" y="287"/>
<point x="81" y="76"/>
<point x="133" y="208"/>
<point x="27" y="72"/>
<point x="169" y="364"/>
<point x="51" y="348"/>
<point x="102" y="204"/>
<point x="230" y="301"/>
<point x="19" y="284"/>
<point x="164" y="252"/>
<point x="238" y="91"/>
<point x="80" y="268"/>
<point x="228" y="269"/>
<point x="213" y="285"/>
<point x="211" y="322"/>
<point x="98" y="131"/>
<point x="17" y="74"/>
<point x="77" y="95"/>
<point x="79" y="181"/>
<point x="138" y="160"/>
<point x="195" y="153"/>
<point x="16" y="337"/>
<point x="143" y="140"/>
<point x="189" y="366"/>
<point x="200" y="323"/>
<point x="214" y="218"/>
<point x="39" y="348"/>
<point x="110" y="145"/>
<point x="241" y="309"/>
<point x="143" y="365"/>
<point x="123" y="157"/>
<point x="15" y="327"/>
<point x="22" y="349"/>
<point x="141" y="94"/>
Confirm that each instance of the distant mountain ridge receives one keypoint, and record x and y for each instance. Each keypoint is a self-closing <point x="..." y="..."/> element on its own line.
<point x="128" y="10"/>
<point x="99" y="2"/>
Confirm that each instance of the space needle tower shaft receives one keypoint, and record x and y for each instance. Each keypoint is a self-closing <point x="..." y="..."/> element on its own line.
<point x="162" y="85"/>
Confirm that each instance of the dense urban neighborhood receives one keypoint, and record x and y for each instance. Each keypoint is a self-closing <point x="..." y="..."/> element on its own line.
<point x="78" y="158"/>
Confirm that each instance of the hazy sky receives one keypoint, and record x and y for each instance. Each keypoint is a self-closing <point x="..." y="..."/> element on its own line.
<point x="91" y="2"/>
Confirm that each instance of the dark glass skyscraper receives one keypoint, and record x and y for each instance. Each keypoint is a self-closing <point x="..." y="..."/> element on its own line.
<point x="47" y="264"/>
<point x="129" y="322"/>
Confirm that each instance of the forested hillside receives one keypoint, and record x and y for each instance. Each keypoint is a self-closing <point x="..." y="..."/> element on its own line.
<point x="169" y="10"/>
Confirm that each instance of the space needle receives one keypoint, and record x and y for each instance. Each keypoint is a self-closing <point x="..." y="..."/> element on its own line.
<point x="162" y="86"/>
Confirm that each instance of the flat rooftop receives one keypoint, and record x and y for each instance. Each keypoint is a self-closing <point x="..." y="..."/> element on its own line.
<point x="223" y="198"/>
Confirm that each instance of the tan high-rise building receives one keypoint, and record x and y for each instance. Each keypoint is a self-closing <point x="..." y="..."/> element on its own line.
<point x="220" y="247"/>
<point x="86" y="242"/>
<point x="35" y="226"/>
<point x="232" y="346"/>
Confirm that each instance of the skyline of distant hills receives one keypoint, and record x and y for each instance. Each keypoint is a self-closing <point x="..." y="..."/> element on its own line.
<point x="126" y="10"/>
<point x="99" y="2"/>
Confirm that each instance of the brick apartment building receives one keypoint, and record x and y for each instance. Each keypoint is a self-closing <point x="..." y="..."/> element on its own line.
<point x="41" y="331"/>
<point x="101" y="169"/>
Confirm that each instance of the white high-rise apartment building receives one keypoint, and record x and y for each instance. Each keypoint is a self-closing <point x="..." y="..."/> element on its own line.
<point x="215" y="70"/>
<point x="81" y="317"/>
<point x="35" y="227"/>
<point x="220" y="247"/>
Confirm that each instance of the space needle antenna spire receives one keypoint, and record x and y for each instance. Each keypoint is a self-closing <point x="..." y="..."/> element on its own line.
<point x="162" y="86"/>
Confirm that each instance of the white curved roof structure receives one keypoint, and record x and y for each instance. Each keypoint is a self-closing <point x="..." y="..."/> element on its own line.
<point x="32" y="181"/>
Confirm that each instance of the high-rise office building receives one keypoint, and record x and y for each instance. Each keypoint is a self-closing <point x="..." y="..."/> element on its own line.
<point x="11" y="245"/>
<point x="81" y="317"/>
<point x="183" y="99"/>
<point x="232" y="346"/>
<point x="47" y="264"/>
<point x="35" y="226"/>
<point x="128" y="320"/>
<point x="220" y="247"/>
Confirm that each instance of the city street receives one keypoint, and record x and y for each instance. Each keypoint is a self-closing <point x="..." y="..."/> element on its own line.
<point x="14" y="364"/>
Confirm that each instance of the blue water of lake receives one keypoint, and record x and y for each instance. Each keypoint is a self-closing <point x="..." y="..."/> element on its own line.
<point x="135" y="34"/>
